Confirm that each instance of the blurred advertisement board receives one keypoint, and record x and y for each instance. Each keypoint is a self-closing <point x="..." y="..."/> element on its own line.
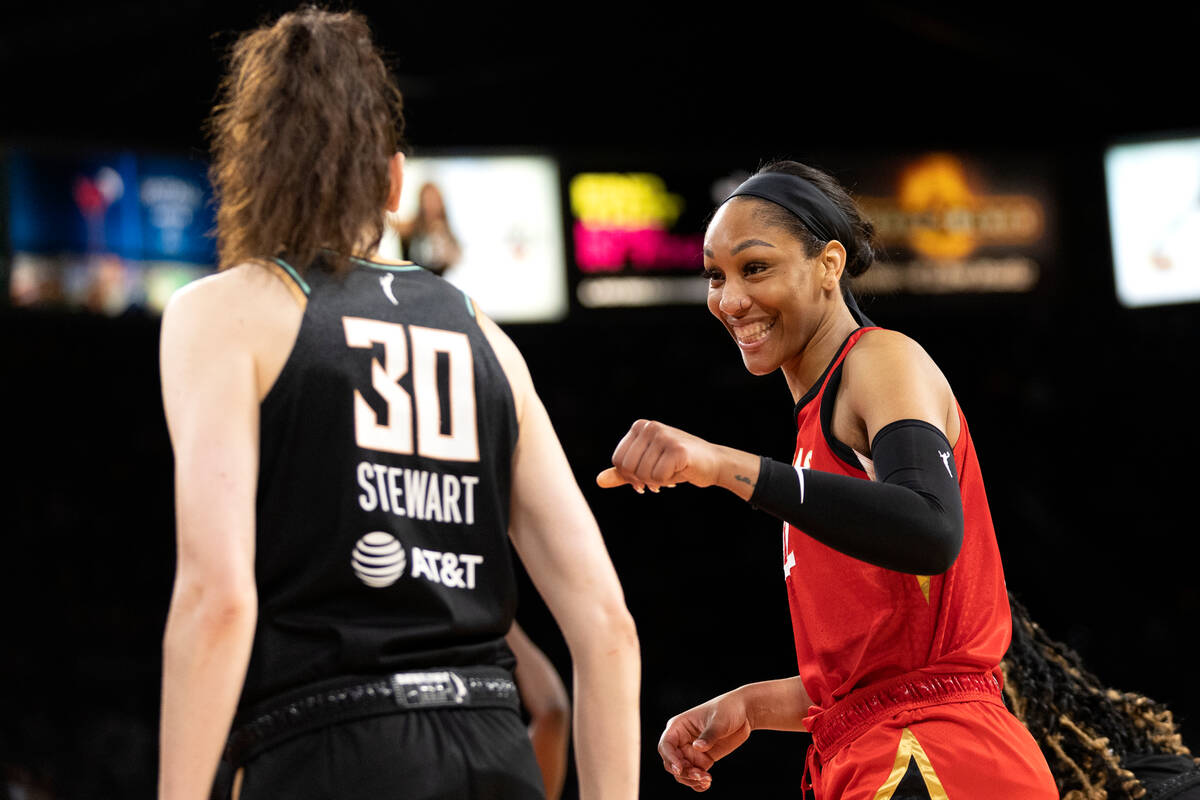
<point x="491" y="225"/>
<point x="106" y="232"/>
<point x="955" y="224"/>
<point x="637" y="237"/>
<point x="1154" y="220"/>
<point x="948" y="224"/>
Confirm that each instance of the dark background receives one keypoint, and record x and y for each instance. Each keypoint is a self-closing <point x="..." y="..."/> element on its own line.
<point x="1082" y="411"/>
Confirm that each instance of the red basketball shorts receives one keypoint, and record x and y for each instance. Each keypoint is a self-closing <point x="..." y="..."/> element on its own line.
<point x="965" y="749"/>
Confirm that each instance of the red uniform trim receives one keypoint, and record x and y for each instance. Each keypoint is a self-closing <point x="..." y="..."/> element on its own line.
<point x="861" y="709"/>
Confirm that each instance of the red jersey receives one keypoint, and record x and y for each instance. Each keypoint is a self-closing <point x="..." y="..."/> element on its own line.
<point x="856" y="624"/>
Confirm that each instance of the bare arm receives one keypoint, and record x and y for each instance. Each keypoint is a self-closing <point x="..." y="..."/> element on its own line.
<point x="549" y="707"/>
<point x="699" y="737"/>
<point x="210" y="397"/>
<point x="893" y="398"/>
<point x="888" y="377"/>
<point x="779" y="705"/>
<point x="560" y="544"/>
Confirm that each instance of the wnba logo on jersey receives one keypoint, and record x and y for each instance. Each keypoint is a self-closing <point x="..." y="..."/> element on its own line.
<point x="378" y="559"/>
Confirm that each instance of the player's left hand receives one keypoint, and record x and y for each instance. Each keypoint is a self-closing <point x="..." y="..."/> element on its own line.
<point x="652" y="455"/>
<point x="699" y="737"/>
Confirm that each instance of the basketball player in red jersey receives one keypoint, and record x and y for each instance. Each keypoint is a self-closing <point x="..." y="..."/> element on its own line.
<point x="893" y="575"/>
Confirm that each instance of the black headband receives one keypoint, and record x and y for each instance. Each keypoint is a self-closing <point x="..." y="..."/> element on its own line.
<point x="818" y="213"/>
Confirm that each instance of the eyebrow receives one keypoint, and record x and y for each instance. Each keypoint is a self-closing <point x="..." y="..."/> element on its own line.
<point x="740" y="247"/>
<point x="748" y="244"/>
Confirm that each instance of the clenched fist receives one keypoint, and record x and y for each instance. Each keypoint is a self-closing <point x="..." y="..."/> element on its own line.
<point x="653" y="455"/>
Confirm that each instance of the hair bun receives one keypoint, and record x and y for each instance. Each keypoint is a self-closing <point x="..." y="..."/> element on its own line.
<point x="861" y="260"/>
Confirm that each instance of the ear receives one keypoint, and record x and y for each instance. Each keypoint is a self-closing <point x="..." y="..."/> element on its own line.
<point x="833" y="262"/>
<point x="396" y="181"/>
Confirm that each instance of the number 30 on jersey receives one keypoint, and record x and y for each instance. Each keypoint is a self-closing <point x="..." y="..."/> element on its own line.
<point x="423" y="411"/>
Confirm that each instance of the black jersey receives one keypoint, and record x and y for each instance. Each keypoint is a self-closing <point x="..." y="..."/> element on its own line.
<point x="383" y="494"/>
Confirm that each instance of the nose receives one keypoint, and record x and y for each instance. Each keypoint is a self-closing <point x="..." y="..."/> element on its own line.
<point x="733" y="299"/>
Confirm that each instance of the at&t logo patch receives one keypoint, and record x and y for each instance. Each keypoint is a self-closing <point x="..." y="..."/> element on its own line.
<point x="378" y="559"/>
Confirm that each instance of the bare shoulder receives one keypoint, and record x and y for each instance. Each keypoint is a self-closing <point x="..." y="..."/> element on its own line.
<point x="882" y="344"/>
<point x="511" y="360"/>
<point x="889" y="356"/>
<point x="889" y="376"/>
<point x="505" y="349"/>
<point x="243" y="311"/>
<point x="225" y="295"/>
<point x="194" y="312"/>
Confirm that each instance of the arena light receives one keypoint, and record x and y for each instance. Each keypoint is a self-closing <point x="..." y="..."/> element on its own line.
<point x="1154" y="220"/>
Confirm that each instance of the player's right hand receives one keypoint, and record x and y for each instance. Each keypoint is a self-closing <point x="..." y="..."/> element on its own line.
<point x="652" y="455"/>
<point x="696" y="739"/>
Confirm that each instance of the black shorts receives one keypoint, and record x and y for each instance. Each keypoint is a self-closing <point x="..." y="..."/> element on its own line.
<point x="470" y="753"/>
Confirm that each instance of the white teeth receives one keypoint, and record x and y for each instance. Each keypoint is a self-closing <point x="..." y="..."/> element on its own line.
<point x="750" y="334"/>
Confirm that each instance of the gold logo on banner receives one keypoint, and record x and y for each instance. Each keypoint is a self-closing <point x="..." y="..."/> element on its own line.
<point x="938" y="213"/>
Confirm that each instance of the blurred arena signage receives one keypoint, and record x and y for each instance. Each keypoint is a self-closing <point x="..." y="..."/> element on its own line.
<point x="952" y="224"/>
<point x="624" y="219"/>
<point x="634" y="241"/>
<point x="491" y="225"/>
<point x="106" y="231"/>
<point x="1154" y="220"/>
<point x="948" y="223"/>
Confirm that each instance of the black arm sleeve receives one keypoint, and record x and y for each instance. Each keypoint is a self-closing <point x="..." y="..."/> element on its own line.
<point x="909" y="519"/>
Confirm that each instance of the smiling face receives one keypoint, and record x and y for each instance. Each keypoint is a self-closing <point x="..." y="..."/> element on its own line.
<point x="770" y="295"/>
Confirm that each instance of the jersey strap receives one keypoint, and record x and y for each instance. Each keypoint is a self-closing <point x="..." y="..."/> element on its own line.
<point x="291" y="278"/>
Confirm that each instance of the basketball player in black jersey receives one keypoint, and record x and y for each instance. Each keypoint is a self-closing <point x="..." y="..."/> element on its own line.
<point x="355" y="446"/>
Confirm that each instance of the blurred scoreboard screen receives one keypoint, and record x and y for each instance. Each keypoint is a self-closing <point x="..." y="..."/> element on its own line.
<point x="491" y="225"/>
<point x="106" y="232"/>
<point x="1154" y="220"/>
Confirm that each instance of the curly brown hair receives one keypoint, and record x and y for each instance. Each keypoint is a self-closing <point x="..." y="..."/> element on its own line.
<point x="308" y="118"/>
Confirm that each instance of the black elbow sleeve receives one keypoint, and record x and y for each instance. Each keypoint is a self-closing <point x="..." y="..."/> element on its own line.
<point x="915" y="455"/>
<point x="909" y="519"/>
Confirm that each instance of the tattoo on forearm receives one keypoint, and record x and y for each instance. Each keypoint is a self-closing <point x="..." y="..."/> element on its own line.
<point x="744" y="479"/>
